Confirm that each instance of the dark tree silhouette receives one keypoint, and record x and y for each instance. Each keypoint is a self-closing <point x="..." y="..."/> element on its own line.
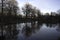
<point x="30" y="11"/>
<point x="27" y="9"/>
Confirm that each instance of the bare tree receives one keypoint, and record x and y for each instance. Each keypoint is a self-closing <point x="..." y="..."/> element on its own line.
<point x="29" y="9"/>
<point x="9" y="7"/>
<point x="58" y="11"/>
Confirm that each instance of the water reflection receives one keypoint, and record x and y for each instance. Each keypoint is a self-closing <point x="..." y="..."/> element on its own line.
<point x="8" y="32"/>
<point x="58" y="28"/>
<point x="30" y="31"/>
<point x="33" y="28"/>
<point x="51" y="25"/>
<point x="59" y="38"/>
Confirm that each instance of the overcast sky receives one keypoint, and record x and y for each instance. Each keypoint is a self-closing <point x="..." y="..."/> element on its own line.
<point x="43" y="5"/>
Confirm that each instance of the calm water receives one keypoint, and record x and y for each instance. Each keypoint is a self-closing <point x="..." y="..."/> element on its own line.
<point x="30" y="31"/>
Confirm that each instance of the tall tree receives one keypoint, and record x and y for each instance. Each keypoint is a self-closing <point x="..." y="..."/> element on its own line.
<point x="9" y="7"/>
<point x="58" y="11"/>
<point x="29" y="9"/>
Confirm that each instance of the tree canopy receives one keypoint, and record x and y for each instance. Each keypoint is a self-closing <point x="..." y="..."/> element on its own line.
<point x="29" y="9"/>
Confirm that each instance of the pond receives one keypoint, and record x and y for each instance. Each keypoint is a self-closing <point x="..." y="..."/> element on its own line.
<point x="30" y="31"/>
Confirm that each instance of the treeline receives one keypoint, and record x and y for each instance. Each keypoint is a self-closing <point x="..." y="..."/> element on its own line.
<point x="32" y="13"/>
<point x="10" y="12"/>
<point x="50" y="18"/>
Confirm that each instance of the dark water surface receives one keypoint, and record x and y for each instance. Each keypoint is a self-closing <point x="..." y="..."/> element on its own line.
<point x="30" y="31"/>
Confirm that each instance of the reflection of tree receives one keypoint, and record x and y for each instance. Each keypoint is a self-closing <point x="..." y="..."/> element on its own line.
<point x="54" y="25"/>
<point x="9" y="32"/>
<point x="35" y="26"/>
<point x="51" y="25"/>
<point x="27" y="30"/>
<point x="58" y="28"/>
<point x="1" y="32"/>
